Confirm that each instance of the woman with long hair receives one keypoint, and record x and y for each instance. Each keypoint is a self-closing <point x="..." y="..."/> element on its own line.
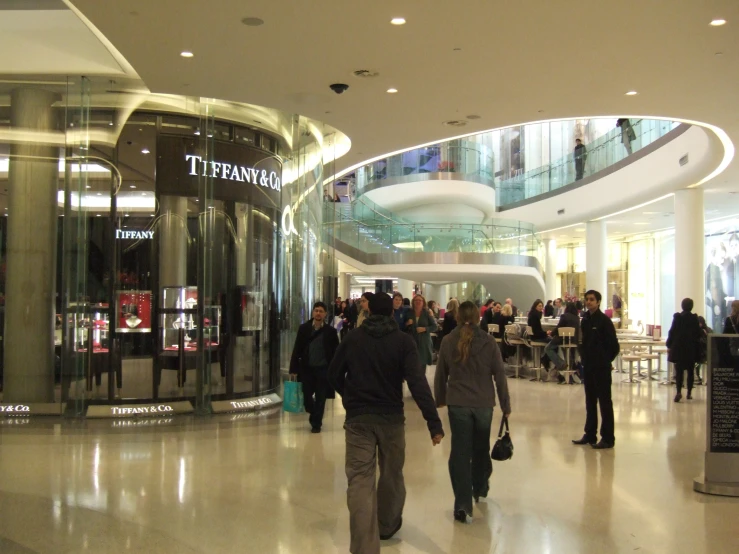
<point x="421" y="328"/>
<point x="535" y="314"/>
<point x="468" y="371"/>
<point x="434" y="308"/>
<point x="450" y="317"/>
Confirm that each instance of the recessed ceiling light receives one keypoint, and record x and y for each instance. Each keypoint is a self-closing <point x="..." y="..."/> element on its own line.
<point x="398" y="21"/>
<point x="392" y="90"/>
<point x="632" y="93"/>
<point x="197" y="133"/>
<point x="97" y="215"/>
<point x="718" y="22"/>
<point x="186" y="54"/>
<point x="143" y="194"/>
<point x="579" y="230"/>
<point x="252" y="21"/>
<point x="641" y="223"/>
<point x="100" y="193"/>
<point x="111" y="123"/>
<point x="133" y="186"/>
<point x="89" y="186"/>
<point x="145" y="151"/>
<point x="125" y="215"/>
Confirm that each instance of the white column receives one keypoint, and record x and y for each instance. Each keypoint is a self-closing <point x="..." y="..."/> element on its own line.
<point x="405" y="287"/>
<point x="596" y="259"/>
<point x="343" y="290"/>
<point x="689" y="240"/>
<point x="431" y="292"/>
<point x="550" y="269"/>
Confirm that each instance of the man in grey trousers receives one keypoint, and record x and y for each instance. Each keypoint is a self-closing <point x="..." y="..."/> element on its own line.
<point x="368" y="370"/>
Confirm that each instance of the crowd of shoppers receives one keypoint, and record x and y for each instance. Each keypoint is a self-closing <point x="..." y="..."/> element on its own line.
<point x="389" y="342"/>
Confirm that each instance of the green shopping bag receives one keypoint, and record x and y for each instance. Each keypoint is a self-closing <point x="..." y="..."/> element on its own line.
<point x="293" y="399"/>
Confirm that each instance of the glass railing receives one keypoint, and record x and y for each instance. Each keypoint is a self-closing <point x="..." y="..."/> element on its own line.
<point x="600" y="154"/>
<point x="380" y="235"/>
<point x="471" y="159"/>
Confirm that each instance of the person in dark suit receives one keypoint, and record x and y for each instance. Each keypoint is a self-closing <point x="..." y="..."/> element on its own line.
<point x="568" y="319"/>
<point x="315" y="346"/>
<point x="683" y="346"/>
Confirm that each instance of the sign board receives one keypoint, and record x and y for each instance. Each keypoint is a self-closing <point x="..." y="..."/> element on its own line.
<point x="155" y="409"/>
<point x="721" y="475"/>
<point x="246" y="404"/>
<point x="30" y="409"/>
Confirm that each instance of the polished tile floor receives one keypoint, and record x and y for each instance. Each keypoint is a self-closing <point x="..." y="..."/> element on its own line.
<point x="266" y="485"/>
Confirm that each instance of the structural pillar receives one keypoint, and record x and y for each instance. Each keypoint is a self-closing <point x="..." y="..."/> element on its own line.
<point x="550" y="269"/>
<point x="30" y="295"/>
<point x="596" y="259"/>
<point x="173" y="243"/>
<point x="689" y="241"/>
<point x="405" y="287"/>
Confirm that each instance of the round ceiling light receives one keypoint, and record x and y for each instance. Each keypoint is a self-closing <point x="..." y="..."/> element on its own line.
<point x="397" y="21"/>
<point x="145" y="151"/>
<point x="186" y="54"/>
<point x="632" y="93"/>
<point x="392" y="90"/>
<point x="252" y="21"/>
<point x="718" y="22"/>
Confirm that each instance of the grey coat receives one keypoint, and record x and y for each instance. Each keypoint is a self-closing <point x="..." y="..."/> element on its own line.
<point x="423" y="340"/>
<point x="471" y="384"/>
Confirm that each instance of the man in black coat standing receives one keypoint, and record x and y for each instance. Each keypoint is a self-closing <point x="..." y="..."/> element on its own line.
<point x="683" y="346"/>
<point x="368" y="371"/>
<point x="598" y="350"/>
<point x="581" y="156"/>
<point x="314" y="349"/>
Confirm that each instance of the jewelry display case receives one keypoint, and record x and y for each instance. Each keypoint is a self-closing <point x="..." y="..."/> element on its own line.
<point x="91" y="326"/>
<point x="133" y="311"/>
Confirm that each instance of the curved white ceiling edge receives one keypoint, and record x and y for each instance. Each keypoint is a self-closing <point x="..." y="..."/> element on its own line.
<point x="117" y="56"/>
<point x="634" y="186"/>
<point x="411" y="196"/>
<point x="496" y="278"/>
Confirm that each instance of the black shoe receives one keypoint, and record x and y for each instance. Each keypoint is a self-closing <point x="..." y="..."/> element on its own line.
<point x="315" y="430"/>
<point x="584" y="440"/>
<point x="390" y="535"/>
<point x="678" y="397"/>
<point x="602" y="445"/>
<point x="690" y="396"/>
<point x="460" y="516"/>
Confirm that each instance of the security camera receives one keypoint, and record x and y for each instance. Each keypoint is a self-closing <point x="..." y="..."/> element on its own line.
<point x="339" y="88"/>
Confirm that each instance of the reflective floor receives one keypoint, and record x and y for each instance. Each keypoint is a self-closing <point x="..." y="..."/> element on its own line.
<point x="264" y="484"/>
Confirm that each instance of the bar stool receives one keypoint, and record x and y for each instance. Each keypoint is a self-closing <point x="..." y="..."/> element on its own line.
<point x="568" y="344"/>
<point x="631" y="358"/>
<point x="493" y="328"/>
<point x="536" y="347"/>
<point x="512" y="339"/>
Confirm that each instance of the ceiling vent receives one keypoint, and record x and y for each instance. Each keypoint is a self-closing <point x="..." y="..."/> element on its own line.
<point x="684" y="160"/>
<point x="455" y="123"/>
<point x="366" y="74"/>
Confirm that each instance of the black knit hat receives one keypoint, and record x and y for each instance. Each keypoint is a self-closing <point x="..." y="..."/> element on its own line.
<point x="381" y="304"/>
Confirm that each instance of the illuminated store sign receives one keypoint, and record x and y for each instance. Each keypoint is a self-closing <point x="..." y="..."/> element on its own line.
<point x="144" y="410"/>
<point x="18" y="408"/>
<point x="129" y="235"/>
<point x="246" y="405"/>
<point x="141" y="410"/>
<point x="288" y="221"/>
<point x="233" y="172"/>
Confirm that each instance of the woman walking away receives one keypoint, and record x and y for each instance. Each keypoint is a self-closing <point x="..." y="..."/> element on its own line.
<point x="450" y="317"/>
<point x="469" y="361"/>
<point x="683" y="346"/>
<point x="421" y="328"/>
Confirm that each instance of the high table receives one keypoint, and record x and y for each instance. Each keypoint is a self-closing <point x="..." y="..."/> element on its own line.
<point x="649" y="342"/>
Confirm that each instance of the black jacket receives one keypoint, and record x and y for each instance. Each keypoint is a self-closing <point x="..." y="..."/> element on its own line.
<point x="299" y="358"/>
<point x="535" y="323"/>
<point x="581" y="153"/>
<point x="450" y="322"/>
<point x="369" y="369"/>
<point x="599" y="345"/>
<point x="548" y="310"/>
<point x="684" y="337"/>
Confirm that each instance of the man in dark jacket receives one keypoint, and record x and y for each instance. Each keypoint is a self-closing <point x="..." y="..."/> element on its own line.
<point x="368" y="371"/>
<point x="314" y="349"/>
<point x="569" y="318"/>
<point x="683" y="346"/>
<point x="581" y="156"/>
<point x="598" y="349"/>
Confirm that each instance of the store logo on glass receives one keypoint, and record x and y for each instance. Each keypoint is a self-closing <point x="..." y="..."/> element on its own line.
<point x="133" y="235"/>
<point x="233" y="172"/>
<point x="20" y="408"/>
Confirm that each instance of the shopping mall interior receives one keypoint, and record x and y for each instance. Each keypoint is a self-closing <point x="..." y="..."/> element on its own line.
<point x="181" y="182"/>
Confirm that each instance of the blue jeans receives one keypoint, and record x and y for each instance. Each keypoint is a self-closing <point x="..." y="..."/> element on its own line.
<point x="470" y="466"/>
<point x="552" y="350"/>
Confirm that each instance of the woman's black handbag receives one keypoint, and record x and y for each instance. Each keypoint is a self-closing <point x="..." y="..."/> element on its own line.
<point x="503" y="448"/>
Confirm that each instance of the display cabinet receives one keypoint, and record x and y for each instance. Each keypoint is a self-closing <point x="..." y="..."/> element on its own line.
<point x="91" y="327"/>
<point x="133" y="311"/>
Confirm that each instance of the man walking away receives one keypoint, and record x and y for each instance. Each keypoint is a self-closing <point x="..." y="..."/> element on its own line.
<point x="368" y="371"/>
<point x="598" y="350"/>
<point x="314" y="349"/>
<point x="581" y="156"/>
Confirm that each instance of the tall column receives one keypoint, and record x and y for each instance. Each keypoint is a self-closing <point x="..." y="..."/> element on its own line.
<point x="405" y="287"/>
<point x="596" y="259"/>
<point x="689" y="241"/>
<point x="550" y="269"/>
<point x="173" y="242"/>
<point x="31" y="245"/>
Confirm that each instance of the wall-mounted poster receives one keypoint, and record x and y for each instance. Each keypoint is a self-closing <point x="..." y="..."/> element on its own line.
<point x="251" y="310"/>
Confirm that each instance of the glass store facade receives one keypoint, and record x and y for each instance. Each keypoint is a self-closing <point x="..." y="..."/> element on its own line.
<point x="154" y="248"/>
